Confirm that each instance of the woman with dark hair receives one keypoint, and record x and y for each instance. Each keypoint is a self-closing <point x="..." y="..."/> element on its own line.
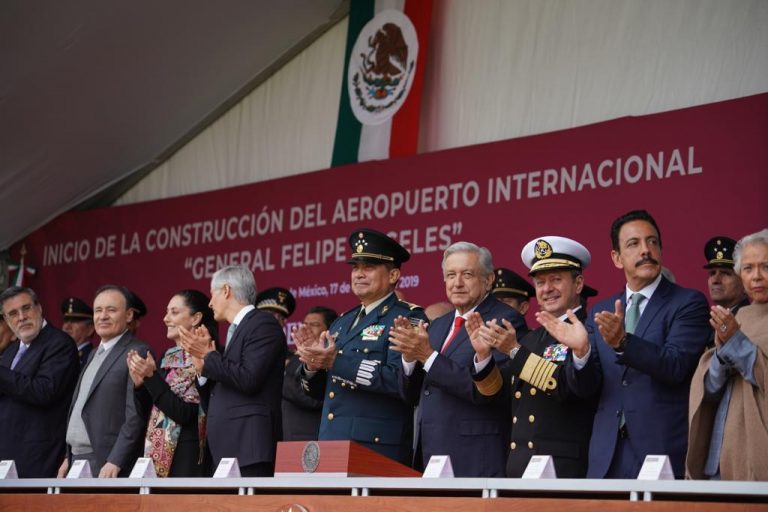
<point x="175" y="439"/>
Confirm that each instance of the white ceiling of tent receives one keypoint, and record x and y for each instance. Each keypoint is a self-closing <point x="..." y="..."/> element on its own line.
<point x="93" y="93"/>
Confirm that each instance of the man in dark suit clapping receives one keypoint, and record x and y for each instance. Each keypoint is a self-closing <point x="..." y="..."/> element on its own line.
<point x="245" y="381"/>
<point x="454" y="418"/>
<point x="644" y="344"/>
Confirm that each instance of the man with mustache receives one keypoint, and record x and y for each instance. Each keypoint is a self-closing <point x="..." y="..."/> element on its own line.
<point x="644" y="345"/>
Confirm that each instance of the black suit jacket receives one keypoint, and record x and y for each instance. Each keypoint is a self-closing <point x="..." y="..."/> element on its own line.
<point x="34" y="400"/>
<point x="546" y="420"/>
<point x="301" y="412"/>
<point x="244" y="418"/>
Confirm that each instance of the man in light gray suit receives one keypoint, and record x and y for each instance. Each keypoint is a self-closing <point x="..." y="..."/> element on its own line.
<point x="105" y="428"/>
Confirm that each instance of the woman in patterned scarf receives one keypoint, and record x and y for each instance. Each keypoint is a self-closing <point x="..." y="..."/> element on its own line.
<point x="175" y="439"/>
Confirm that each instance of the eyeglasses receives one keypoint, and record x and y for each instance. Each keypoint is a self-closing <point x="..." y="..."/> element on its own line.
<point x="15" y="313"/>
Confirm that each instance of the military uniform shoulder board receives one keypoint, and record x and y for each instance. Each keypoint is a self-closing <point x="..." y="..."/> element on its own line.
<point x="408" y="305"/>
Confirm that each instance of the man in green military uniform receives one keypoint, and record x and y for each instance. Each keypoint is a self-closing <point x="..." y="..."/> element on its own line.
<point x="351" y="365"/>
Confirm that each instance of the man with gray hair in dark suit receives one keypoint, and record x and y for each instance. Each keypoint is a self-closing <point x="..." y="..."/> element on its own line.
<point x="37" y="375"/>
<point x="246" y="381"/>
<point x="105" y="428"/>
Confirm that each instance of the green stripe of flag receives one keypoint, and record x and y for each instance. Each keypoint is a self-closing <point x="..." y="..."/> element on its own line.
<point x="347" y="142"/>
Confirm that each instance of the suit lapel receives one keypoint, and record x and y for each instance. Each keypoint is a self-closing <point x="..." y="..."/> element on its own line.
<point x="238" y="335"/>
<point x="658" y="299"/>
<point x="341" y="328"/>
<point x="115" y="355"/>
<point x="439" y="330"/>
<point x="484" y="308"/>
<point x="6" y="360"/>
<point x="371" y="318"/>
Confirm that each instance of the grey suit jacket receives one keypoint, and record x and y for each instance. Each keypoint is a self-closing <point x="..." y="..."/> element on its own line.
<point x="115" y="426"/>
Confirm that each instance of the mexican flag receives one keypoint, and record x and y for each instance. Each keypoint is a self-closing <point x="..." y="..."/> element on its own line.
<point x="383" y="77"/>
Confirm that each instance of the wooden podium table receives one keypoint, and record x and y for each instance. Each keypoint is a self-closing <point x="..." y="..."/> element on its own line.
<point x="335" y="458"/>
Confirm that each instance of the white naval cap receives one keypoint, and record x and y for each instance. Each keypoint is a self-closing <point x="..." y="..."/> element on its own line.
<point x="554" y="252"/>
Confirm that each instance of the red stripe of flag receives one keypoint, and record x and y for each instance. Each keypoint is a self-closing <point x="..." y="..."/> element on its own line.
<point x="405" y="124"/>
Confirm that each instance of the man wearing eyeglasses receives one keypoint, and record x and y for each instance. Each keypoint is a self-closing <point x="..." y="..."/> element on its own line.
<point x="38" y="373"/>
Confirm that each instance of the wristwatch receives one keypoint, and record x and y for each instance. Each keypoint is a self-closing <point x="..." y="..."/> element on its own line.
<point x="622" y="346"/>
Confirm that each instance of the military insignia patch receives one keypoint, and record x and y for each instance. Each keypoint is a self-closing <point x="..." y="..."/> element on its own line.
<point x="372" y="332"/>
<point x="542" y="250"/>
<point x="555" y="353"/>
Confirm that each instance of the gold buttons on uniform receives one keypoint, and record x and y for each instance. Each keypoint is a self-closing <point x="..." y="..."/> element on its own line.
<point x="531" y="418"/>
<point x="333" y="380"/>
<point x="533" y="391"/>
<point x="518" y="394"/>
<point x="330" y="415"/>
<point x="343" y="384"/>
<point x="331" y="394"/>
<point x="514" y="419"/>
<point x="341" y="351"/>
<point x="365" y="350"/>
<point x="376" y="439"/>
<point x="513" y="445"/>
<point x="530" y="445"/>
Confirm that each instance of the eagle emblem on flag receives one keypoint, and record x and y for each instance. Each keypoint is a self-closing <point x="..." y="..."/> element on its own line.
<point x="381" y="67"/>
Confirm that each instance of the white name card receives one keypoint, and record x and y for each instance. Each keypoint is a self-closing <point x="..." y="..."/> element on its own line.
<point x="228" y="468"/>
<point x="439" y="466"/>
<point x="80" y="469"/>
<point x="656" y="467"/>
<point x="540" y="466"/>
<point x="8" y="470"/>
<point x="144" y="468"/>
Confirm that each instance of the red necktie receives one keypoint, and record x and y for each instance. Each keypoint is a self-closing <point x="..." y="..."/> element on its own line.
<point x="458" y="323"/>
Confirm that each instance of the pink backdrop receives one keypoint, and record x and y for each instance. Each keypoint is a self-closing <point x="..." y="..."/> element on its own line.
<point x="700" y="171"/>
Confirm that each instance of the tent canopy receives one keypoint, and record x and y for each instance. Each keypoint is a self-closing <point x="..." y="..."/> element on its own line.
<point x="93" y="94"/>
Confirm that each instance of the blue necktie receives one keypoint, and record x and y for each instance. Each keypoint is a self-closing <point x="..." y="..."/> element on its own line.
<point x="231" y="332"/>
<point x="22" y="349"/>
